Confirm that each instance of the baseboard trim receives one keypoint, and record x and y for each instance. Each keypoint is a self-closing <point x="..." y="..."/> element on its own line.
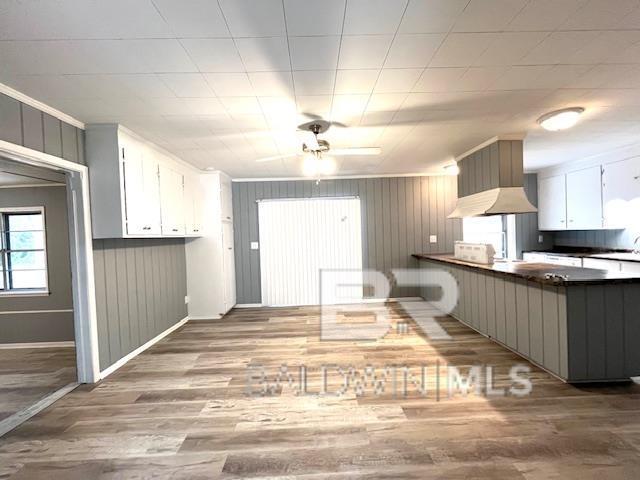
<point x="109" y="370"/>
<point x="22" y="416"/>
<point x="7" y="346"/>
<point x="202" y="318"/>
<point x="364" y="300"/>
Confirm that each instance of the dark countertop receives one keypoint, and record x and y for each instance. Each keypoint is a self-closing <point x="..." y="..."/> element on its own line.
<point x="585" y="252"/>
<point x="535" y="272"/>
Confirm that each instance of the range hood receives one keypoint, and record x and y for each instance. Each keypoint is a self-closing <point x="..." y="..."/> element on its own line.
<point x="491" y="180"/>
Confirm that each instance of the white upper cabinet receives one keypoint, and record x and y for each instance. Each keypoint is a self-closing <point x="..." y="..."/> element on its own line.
<point x="141" y="191"/>
<point x="571" y="201"/>
<point x="193" y="205"/>
<point x="136" y="189"/>
<point x="172" y="202"/>
<point x="552" y="203"/>
<point x="584" y="199"/>
<point x="225" y="198"/>
<point x="621" y="192"/>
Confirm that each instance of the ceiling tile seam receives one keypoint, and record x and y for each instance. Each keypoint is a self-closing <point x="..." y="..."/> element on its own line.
<point x="293" y="84"/>
<point x="224" y="17"/>
<point x="435" y="52"/>
<point x="335" y="76"/>
<point x="197" y="68"/>
<point x="386" y="56"/>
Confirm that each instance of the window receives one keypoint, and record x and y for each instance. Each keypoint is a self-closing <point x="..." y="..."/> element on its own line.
<point x="24" y="259"/>
<point x="498" y="230"/>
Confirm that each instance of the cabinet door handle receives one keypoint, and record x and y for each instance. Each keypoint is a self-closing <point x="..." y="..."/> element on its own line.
<point x="174" y="229"/>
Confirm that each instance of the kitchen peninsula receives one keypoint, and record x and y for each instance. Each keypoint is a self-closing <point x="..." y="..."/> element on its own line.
<point x="581" y="324"/>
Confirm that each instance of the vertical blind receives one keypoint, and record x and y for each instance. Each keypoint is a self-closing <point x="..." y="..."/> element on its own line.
<point x="299" y="238"/>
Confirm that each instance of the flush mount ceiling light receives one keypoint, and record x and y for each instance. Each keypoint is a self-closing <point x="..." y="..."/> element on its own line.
<point x="560" y="119"/>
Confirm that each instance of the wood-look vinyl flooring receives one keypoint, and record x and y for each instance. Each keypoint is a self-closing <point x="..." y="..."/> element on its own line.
<point x="29" y="374"/>
<point x="181" y="410"/>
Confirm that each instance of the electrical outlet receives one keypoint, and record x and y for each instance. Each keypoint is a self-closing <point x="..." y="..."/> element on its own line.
<point x="186" y="299"/>
<point x="255" y="245"/>
<point x="540" y="238"/>
<point x="433" y="239"/>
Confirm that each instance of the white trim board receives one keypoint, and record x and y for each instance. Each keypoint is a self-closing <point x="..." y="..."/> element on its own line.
<point x="343" y="177"/>
<point x="109" y="370"/>
<point x="81" y="250"/>
<point x="364" y="300"/>
<point x="33" y="185"/>
<point x="22" y="416"/>
<point x="204" y="318"/>
<point x="21" y="97"/>
<point x="10" y="346"/>
<point x="513" y="136"/>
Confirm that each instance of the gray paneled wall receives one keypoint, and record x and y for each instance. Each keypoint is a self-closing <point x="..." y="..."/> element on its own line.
<point x="27" y="126"/>
<point x="398" y="216"/>
<point x="622" y="239"/>
<point x="527" y="223"/>
<point x="140" y="290"/>
<point x="496" y="165"/>
<point x="140" y="284"/>
<point x="40" y="325"/>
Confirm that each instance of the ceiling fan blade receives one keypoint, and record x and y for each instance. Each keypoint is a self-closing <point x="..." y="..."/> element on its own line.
<point x="357" y="151"/>
<point x="340" y="124"/>
<point x="276" y="157"/>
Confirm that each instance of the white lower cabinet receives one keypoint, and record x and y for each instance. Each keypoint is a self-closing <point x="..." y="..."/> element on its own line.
<point x="601" y="264"/>
<point x="630" y="267"/>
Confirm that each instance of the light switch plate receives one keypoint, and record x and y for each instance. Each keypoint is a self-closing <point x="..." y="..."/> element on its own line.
<point x="255" y="245"/>
<point x="186" y="299"/>
<point x="540" y="239"/>
<point x="433" y="239"/>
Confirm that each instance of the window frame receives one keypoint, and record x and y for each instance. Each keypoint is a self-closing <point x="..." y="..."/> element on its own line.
<point x="22" y="292"/>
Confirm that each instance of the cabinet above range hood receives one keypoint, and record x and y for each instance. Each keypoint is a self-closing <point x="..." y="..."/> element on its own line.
<point x="491" y="180"/>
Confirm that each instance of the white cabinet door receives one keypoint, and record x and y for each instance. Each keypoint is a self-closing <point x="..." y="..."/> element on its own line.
<point x="226" y="206"/>
<point x="534" y="257"/>
<point x="584" y="199"/>
<point x="621" y="192"/>
<point x="228" y="263"/>
<point x="133" y="180"/>
<point x="193" y="199"/>
<point x="563" y="260"/>
<point x="601" y="264"/>
<point x="552" y="202"/>
<point x="152" y="209"/>
<point x="630" y="267"/>
<point x="189" y="205"/>
<point x="171" y="201"/>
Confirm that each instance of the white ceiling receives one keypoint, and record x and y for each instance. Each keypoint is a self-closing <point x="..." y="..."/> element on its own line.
<point x="8" y="179"/>
<point x="224" y="83"/>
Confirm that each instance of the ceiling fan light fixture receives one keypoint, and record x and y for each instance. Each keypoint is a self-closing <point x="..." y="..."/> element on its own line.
<point x="310" y="165"/>
<point x="327" y="166"/>
<point x="560" y="119"/>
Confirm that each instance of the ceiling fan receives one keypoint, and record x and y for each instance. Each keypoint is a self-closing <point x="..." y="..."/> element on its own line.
<point x="313" y="148"/>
